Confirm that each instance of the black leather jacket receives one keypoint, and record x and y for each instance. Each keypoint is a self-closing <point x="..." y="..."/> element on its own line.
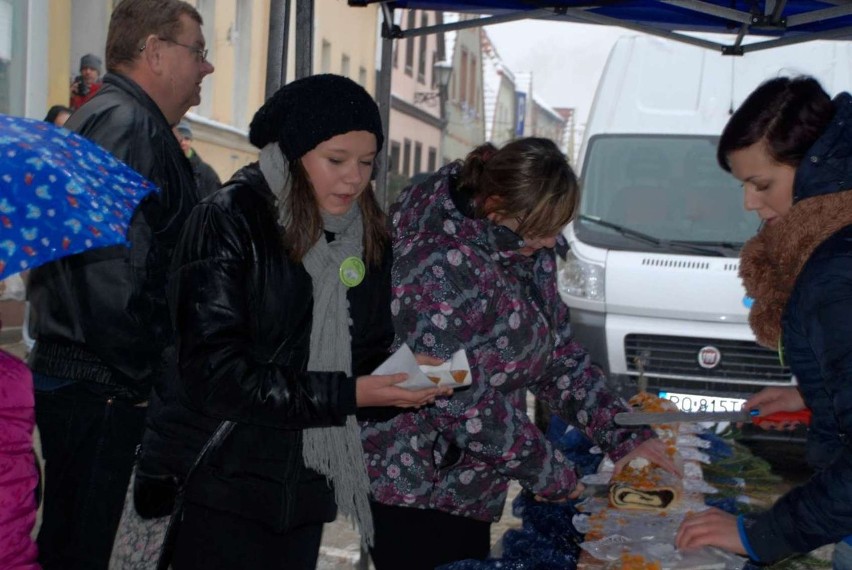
<point x="243" y="314"/>
<point x="101" y="316"/>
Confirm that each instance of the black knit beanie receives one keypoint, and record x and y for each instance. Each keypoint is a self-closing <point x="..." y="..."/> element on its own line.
<point x="308" y="111"/>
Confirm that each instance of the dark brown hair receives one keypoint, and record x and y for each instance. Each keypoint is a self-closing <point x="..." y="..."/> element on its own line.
<point x="305" y="226"/>
<point x="529" y="179"/>
<point x="133" y="21"/>
<point x="788" y="114"/>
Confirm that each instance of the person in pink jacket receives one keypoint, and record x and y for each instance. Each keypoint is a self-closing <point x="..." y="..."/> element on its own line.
<point x="18" y="471"/>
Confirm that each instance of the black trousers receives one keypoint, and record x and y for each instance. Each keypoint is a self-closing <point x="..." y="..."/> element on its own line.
<point x="210" y="539"/>
<point x="89" y="446"/>
<point x="422" y="539"/>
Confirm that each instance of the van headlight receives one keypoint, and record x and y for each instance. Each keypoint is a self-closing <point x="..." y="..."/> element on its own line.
<point x="581" y="279"/>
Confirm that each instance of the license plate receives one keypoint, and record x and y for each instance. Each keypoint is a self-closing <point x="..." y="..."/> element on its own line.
<point x="696" y="403"/>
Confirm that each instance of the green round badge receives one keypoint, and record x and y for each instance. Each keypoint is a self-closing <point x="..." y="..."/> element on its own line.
<point x="352" y="271"/>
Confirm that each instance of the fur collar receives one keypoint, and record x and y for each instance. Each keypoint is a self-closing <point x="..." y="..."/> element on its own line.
<point x="771" y="261"/>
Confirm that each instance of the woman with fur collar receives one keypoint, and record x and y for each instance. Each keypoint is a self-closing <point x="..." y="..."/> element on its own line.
<point x="791" y="146"/>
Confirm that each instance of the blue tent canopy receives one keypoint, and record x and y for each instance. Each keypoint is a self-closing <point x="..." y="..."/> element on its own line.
<point x="779" y="22"/>
<point x="745" y="25"/>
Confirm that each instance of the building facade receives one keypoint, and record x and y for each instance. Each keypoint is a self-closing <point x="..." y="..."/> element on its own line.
<point x="416" y="99"/>
<point x="499" y="96"/>
<point x="41" y="42"/>
<point x="465" y="108"/>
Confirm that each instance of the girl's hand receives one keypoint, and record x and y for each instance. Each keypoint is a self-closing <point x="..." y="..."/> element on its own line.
<point x="575" y="494"/>
<point x="381" y="390"/>
<point x="425" y="359"/>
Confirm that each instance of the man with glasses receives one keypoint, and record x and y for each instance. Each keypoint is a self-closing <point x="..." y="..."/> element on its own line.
<point x="102" y="328"/>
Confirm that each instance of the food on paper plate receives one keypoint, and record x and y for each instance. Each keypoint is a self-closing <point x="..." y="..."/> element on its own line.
<point x="455" y="372"/>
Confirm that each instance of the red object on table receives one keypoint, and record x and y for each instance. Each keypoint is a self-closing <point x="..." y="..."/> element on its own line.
<point x="801" y="416"/>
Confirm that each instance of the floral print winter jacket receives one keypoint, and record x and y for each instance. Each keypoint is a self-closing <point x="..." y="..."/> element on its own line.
<point x="459" y="282"/>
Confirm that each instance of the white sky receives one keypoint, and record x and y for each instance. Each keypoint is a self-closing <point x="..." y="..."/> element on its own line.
<point x="566" y="59"/>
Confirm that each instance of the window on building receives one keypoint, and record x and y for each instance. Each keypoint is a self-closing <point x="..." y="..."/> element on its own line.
<point x="325" y="57"/>
<point x="433" y="82"/>
<point x="344" y="65"/>
<point x="421" y="59"/>
<point x="418" y="157"/>
<point x="432" y="164"/>
<point x="394" y="157"/>
<point x="406" y="157"/>
<point x="471" y="92"/>
<point x="409" y="45"/>
<point x="463" y="77"/>
<point x="241" y="38"/>
<point x="12" y="58"/>
<point x="362" y="77"/>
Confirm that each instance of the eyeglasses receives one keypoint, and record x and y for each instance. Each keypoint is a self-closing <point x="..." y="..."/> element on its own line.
<point x="200" y="54"/>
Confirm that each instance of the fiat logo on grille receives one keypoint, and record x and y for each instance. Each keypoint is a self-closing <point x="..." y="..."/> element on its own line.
<point x="709" y="357"/>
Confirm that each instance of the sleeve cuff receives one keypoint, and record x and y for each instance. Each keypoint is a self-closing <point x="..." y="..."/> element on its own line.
<point x="346" y="399"/>
<point x="744" y="539"/>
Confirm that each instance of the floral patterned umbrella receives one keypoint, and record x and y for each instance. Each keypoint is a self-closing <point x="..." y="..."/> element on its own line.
<point x="60" y="194"/>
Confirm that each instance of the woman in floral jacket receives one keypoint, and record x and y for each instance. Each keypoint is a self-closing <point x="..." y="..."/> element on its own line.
<point x="474" y="268"/>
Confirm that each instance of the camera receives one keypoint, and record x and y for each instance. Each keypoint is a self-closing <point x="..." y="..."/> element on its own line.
<point x="82" y="86"/>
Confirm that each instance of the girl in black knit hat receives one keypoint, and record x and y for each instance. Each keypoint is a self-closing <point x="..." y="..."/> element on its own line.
<point x="281" y="299"/>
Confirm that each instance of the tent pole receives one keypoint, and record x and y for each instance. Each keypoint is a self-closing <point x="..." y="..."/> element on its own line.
<point x="304" y="38"/>
<point x="279" y="32"/>
<point x="383" y="94"/>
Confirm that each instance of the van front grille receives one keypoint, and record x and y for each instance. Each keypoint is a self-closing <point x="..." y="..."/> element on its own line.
<point x="678" y="357"/>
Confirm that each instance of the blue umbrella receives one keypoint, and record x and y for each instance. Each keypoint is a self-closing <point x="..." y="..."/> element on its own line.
<point x="60" y="194"/>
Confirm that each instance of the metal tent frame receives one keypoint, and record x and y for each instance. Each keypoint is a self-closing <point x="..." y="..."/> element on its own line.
<point x="776" y="22"/>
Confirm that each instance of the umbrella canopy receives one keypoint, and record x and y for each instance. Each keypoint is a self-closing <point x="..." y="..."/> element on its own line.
<point x="60" y="194"/>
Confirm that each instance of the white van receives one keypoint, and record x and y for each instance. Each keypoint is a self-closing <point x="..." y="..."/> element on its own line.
<point x="651" y="278"/>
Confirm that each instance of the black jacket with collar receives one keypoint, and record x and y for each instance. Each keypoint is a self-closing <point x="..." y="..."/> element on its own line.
<point x="243" y="316"/>
<point x="816" y="330"/>
<point x="101" y="316"/>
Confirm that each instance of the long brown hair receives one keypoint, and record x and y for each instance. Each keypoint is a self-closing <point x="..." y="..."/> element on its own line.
<point x="528" y="178"/>
<point x="305" y="226"/>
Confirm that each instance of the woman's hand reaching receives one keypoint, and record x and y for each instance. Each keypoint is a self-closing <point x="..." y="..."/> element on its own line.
<point x="654" y="451"/>
<point x="709" y="528"/>
<point x="776" y="399"/>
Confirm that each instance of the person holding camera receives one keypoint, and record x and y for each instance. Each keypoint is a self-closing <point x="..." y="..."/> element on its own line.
<point x="87" y="83"/>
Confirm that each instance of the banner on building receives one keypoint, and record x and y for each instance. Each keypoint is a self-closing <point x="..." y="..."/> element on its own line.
<point x="521" y="112"/>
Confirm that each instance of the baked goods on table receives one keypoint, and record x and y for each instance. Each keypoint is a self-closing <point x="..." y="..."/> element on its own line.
<point x="630" y="521"/>
<point x="641" y="484"/>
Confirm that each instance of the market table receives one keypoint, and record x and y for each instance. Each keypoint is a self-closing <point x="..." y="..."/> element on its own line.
<point x="549" y="539"/>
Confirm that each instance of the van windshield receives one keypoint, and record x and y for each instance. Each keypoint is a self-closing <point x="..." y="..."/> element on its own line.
<point x="668" y="188"/>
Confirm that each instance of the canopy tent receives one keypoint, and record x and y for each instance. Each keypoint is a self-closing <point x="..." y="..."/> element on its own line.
<point x="772" y="22"/>
<point x="781" y="22"/>
<point x="766" y="23"/>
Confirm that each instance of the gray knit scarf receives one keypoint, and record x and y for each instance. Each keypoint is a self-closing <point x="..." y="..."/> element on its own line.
<point x="335" y="452"/>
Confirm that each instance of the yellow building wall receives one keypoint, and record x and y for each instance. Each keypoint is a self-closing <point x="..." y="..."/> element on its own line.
<point x="59" y="44"/>
<point x="217" y="139"/>
<point x="224" y="146"/>
<point x="348" y="30"/>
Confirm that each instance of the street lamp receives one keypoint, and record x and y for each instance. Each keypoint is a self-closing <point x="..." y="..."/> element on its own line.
<point x="442" y="71"/>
